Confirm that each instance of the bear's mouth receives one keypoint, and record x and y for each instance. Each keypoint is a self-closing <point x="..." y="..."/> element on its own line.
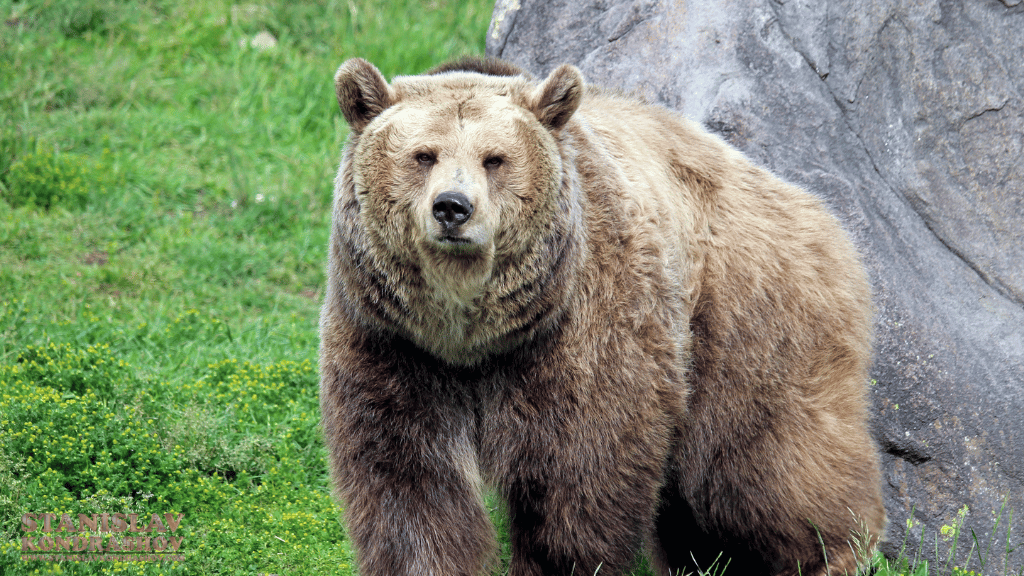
<point x="456" y="245"/>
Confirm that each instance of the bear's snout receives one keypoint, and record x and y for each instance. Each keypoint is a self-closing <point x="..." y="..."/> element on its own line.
<point x="452" y="209"/>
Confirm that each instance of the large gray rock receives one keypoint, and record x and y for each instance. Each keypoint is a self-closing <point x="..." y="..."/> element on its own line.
<point x="909" y="121"/>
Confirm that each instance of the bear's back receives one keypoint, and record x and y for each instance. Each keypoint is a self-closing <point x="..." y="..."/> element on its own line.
<point x="772" y="283"/>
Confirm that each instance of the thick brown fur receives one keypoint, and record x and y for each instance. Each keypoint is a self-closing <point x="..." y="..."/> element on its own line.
<point x="642" y="341"/>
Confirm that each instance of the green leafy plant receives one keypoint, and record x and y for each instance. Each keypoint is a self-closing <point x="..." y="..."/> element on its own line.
<point x="48" y="179"/>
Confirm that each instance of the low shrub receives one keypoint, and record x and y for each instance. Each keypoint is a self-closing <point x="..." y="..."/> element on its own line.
<point x="234" y="450"/>
<point x="47" y="179"/>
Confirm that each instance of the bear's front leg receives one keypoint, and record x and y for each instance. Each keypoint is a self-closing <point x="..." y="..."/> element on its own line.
<point x="402" y="454"/>
<point x="580" y="472"/>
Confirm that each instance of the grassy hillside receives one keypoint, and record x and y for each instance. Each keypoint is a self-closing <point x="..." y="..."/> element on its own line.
<point x="165" y="180"/>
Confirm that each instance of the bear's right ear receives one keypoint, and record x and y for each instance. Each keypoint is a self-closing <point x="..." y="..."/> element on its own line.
<point x="363" y="93"/>
<point x="558" y="97"/>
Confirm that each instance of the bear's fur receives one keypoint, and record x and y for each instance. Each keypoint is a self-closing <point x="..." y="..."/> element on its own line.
<point x="639" y="339"/>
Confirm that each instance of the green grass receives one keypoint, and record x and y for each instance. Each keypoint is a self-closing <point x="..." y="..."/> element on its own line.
<point x="165" y="193"/>
<point x="165" y="188"/>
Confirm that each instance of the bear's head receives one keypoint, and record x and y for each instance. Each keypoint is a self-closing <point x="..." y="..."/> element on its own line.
<point x="458" y="182"/>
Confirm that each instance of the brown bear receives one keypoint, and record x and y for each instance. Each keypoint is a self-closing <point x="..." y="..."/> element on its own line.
<point x="638" y="339"/>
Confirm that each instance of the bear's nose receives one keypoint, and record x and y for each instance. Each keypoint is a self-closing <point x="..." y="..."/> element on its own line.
<point x="452" y="209"/>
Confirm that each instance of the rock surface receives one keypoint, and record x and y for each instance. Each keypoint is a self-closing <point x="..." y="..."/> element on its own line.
<point x="908" y="119"/>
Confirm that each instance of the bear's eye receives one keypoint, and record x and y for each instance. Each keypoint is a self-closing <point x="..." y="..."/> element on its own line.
<point x="493" y="161"/>
<point x="425" y="159"/>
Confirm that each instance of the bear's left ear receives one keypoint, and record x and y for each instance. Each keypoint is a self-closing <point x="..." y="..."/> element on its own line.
<point x="558" y="97"/>
<point x="363" y="93"/>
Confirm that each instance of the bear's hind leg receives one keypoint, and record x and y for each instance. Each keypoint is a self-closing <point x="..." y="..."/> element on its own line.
<point x="797" y="509"/>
